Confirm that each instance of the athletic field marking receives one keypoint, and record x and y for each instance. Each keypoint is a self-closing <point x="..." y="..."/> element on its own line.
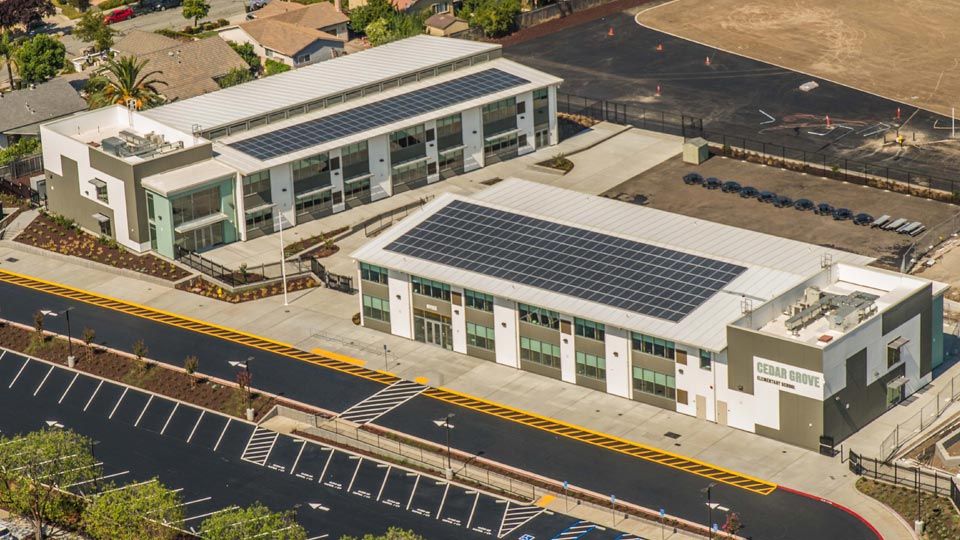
<point x="771" y="119"/>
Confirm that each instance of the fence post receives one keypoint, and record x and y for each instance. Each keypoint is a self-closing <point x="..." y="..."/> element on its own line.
<point x="895" y="471"/>
<point x="683" y="126"/>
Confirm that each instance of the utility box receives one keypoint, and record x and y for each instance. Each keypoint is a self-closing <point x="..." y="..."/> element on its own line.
<point x="696" y="151"/>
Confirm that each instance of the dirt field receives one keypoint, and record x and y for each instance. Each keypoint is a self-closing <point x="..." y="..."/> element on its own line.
<point x="665" y="190"/>
<point x="905" y="50"/>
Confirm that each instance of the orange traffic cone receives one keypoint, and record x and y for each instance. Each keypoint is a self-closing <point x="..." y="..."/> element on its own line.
<point x="828" y="120"/>
<point x="707" y="61"/>
<point x="658" y="90"/>
<point x="610" y="32"/>
<point x="659" y="47"/>
<point x="898" y="113"/>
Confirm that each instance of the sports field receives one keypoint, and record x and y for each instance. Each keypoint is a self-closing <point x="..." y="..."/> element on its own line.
<point x="905" y="50"/>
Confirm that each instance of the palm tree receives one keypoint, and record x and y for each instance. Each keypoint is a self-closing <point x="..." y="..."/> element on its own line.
<point x="7" y="48"/>
<point x="127" y="80"/>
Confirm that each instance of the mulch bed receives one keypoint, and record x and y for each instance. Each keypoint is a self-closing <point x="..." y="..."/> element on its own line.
<point x="46" y="233"/>
<point x="155" y="378"/>
<point x="203" y="287"/>
<point x="941" y="521"/>
<point x="296" y="247"/>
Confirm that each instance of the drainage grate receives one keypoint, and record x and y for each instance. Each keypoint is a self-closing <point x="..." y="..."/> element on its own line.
<point x="672" y="435"/>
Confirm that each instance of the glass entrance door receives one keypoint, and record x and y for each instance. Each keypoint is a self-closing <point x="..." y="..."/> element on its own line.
<point x="433" y="329"/>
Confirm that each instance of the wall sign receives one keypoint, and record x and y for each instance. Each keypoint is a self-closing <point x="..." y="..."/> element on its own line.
<point x="788" y="378"/>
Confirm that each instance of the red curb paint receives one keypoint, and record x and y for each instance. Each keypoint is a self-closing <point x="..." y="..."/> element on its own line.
<point x="835" y="505"/>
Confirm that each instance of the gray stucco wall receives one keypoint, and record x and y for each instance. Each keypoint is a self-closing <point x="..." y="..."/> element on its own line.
<point x="64" y="197"/>
<point x="858" y="403"/>
<point x="921" y="302"/>
<point x="744" y="344"/>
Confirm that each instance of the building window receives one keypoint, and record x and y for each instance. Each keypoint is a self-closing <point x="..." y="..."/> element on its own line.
<point x="893" y="351"/>
<point x="539" y="352"/>
<point x="101" y="188"/>
<point x="500" y="110"/>
<point x="654" y="383"/>
<point x="480" y="336"/>
<point x="311" y="169"/>
<point x="521" y="107"/>
<point x="357" y="189"/>
<point x="196" y="205"/>
<point x="428" y="287"/>
<point x="268" y="52"/>
<point x="405" y="138"/>
<point x="151" y="209"/>
<point x="539" y="316"/>
<point x="653" y="346"/>
<point x="478" y="300"/>
<point x="105" y="228"/>
<point x="589" y="329"/>
<point x="153" y="236"/>
<point x="258" y="184"/>
<point x="376" y="274"/>
<point x="376" y="308"/>
<point x="408" y="173"/>
<point x="706" y="360"/>
<point x="260" y="220"/>
<point x="591" y="366"/>
<point x="355" y="159"/>
<point x="303" y="58"/>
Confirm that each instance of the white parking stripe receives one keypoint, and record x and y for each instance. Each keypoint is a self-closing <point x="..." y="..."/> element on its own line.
<point x="443" y="500"/>
<point x="327" y="464"/>
<point x="118" y="404"/>
<point x="93" y="395"/>
<point x="473" y="509"/>
<point x="222" y="433"/>
<point x="382" y="402"/>
<point x="45" y="377"/>
<point x="69" y="386"/>
<point x="355" y="471"/>
<point x="384" y="484"/>
<point x="412" y="492"/>
<point x="222" y="510"/>
<point x="167" y="423"/>
<point x="114" y="475"/>
<point x="194" y="430"/>
<point x="303" y="444"/>
<point x="149" y="401"/>
<point x="25" y="362"/>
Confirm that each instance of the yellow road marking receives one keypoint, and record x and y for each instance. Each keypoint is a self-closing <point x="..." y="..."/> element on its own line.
<point x="545" y="501"/>
<point x="353" y="366"/>
<point x="421" y="380"/>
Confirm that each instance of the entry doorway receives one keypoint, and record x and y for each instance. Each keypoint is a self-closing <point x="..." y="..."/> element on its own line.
<point x="432" y="329"/>
<point x="701" y="407"/>
<point x="722" y="413"/>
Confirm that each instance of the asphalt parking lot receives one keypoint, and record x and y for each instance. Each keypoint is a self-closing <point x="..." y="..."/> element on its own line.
<point x="217" y="462"/>
<point x="664" y="190"/>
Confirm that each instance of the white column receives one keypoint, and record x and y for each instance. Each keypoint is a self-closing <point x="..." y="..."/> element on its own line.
<point x="378" y="149"/>
<point x="554" y="128"/>
<point x="458" y="323"/>
<point x="401" y="316"/>
<point x="568" y="361"/>
<point x="281" y="189"/>
<point x="433" y="151"/>
<point x="472" y="126"/>
<point x="241" y="208"/>
<point x="505" y="331"/>
<point x="336" y="180"/>
<point x="525" y="122"/>
<point x="617" y="352"/>
<point x="359" y="282"/>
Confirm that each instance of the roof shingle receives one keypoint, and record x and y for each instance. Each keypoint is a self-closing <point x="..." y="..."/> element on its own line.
<point x="191" y="68"/>
<point x="284" y="37"/>
<point x="52" y="99"/>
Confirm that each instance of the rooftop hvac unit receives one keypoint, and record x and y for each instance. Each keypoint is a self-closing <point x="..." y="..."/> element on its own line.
<point x="112" y="145"/>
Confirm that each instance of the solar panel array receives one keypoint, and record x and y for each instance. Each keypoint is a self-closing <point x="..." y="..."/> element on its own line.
<point x="380" y="113"/>
<point x="622" y="273"/>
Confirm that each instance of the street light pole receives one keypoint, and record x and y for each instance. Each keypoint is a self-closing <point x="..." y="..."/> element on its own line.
<point x="48" y="312"/>
<point x="709" y="508"/>
<point x="445" y="423"/>
<point x="386" y="362"/>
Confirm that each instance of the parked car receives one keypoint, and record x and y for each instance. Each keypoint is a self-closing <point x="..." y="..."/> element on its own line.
<point x="862" y="219"/>
<point x="824" y="209"/>
<point x="842" y="214"/>
<point x="119" y="15"/>
<point x="159" y="5"/>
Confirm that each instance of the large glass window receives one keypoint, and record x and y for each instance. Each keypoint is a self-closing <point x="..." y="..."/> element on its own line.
<point x="654" y="383"/>
<point x="451" y="162"/>
<point x="478" y="300"/>
<point x="101" y="188"/>
<point x="706" y="360"/>
<point x="405" y="138"/>
<point x="257" y="183"/>
<point x="356" y="189"/>
<point x="499" y="116"/>
<point x="376" y="274"/>
<point x="355" y="159"/>
<point x="311" y="174"/>
<point x="589" y="329"/>
<point x="546" y="354"/>
<point x="592" y="366"/>
<point x="539" y="315"/>
<point x="196" y="205"/>
<point x="449" y="131"/>
<point x="653" y="346"/>
<point x="428" y="287"/>
<point x="376" y="308"/>
<point x="409" y="173"/>
<point x="541" y="107"/>
<point x="480" y="336"/>
<point x="259" y="222"/>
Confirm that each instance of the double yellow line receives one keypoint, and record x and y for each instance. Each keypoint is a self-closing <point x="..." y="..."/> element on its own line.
<point x="355" y="367"/>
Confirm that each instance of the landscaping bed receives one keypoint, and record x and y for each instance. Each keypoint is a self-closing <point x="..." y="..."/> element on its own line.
<point x="327" y="247"/>
<point x="154" y="377"/>
<point x="941" y="520"/>
<point x="61" y="235"/>
<point x="559" y="162"/>
<point x="203" y="287"/>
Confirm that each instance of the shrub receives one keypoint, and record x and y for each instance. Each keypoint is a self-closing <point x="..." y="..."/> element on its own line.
<point x="89" y="334"/>
<point x="110" y="4"/>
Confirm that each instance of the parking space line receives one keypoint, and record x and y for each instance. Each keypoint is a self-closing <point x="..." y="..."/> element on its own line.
<point x="577" y="530"/>
<point x="114" y="475"/>
<point x="443" y="500"/>
<point x="93" y="395"/>
<point x="149" y="401"/>
<point x="327" y="464"/>
<point x="413" y="491"/>
<point x="17" y="376"/>
<point x="167" y="423"/>
<point x="45" y="377"/>
<point x="194" y="430"/>
<point x="382" y="402"/>
<point x="259" y="446"/>
<point x="118" y="403"/>
<point x="355" y="471"/>
<point x="208" y="514"/>
<point x="303" y="444"/>
<point x="384" y="483"/>
<point x="69" y="386"/>
<point x="473" y="509"/>
<point x="222" y="433"/>
<point x="515" y="516"/>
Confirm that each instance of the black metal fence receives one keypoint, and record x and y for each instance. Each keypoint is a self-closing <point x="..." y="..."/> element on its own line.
<point x="912" y="476"/>
<point x="333" y="281"/>
<point x="22" y="167"/>
<point x="373" y="226"/>
<point x="673" y="123"/>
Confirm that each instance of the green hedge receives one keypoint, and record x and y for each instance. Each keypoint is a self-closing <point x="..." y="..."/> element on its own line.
<point x="110" y="4"/>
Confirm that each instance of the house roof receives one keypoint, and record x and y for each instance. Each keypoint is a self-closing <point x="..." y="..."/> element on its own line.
<point x="27" y="107"/>
<point x="190" y="68"/>
<point x="284" y="37"/>
<point x="139" y="42"/>
<point x="442" y="20"/>
<point x="317" y="16"/>
<point x="403" y="5"/>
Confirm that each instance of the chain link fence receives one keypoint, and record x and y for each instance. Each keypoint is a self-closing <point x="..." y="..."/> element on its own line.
<point x="922" y="419"/>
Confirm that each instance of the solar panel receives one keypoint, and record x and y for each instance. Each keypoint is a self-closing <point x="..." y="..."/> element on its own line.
<point x="380" y="113"/>
<point x="622" y="273"/>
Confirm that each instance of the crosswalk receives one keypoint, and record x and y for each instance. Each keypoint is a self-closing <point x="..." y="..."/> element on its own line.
<point x="575" y="531"/>
<point x="382" y="402"/>
<point x="259" y="446"/>
<point x="516" y="515"/>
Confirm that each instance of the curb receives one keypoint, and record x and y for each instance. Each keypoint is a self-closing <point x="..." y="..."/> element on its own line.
<point x="835" y="505"/>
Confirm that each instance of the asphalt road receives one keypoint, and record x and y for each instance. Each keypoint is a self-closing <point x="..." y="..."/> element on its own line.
<point x="780" y="515"/>
<point x="735" y="95"/>
<point x="218" y="462"/>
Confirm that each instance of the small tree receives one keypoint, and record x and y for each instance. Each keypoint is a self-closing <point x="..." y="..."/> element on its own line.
<point x="196" y="10"/>
<point x="190" y="365"/>
<point x="256" y="521"/>
<point x="273" y="67"/>
<point x="91" y="28"/>
<point x="89" y="334"/>
<point x="249" y="55"/>
<point x="32" y="467"/>
<point x="244" y="379"/>
<point x="234" y="77"/>
<point x="40" y="58"/>
<point x="21" y="12"/>
<point x="134" y="512"/>
<point x="393" y="533"/>
<point x="733" y="525"/>
<point x="140" y="350"/>
<point x="38" y="340"/>
<point x="8" y="50"/>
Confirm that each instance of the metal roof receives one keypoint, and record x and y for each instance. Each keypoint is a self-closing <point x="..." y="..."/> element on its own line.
<point x="190" y="176"/>
<point x="279" y="92"/>
<point x="773" y="264"/>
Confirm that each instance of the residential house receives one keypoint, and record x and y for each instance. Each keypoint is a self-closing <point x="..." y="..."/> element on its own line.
<point x="286" y="42"/>
<point x="22" y="111"/>
<point x="445" y="24"/>
<point x="416" y="6"/>
<point x="322" y="16"/>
